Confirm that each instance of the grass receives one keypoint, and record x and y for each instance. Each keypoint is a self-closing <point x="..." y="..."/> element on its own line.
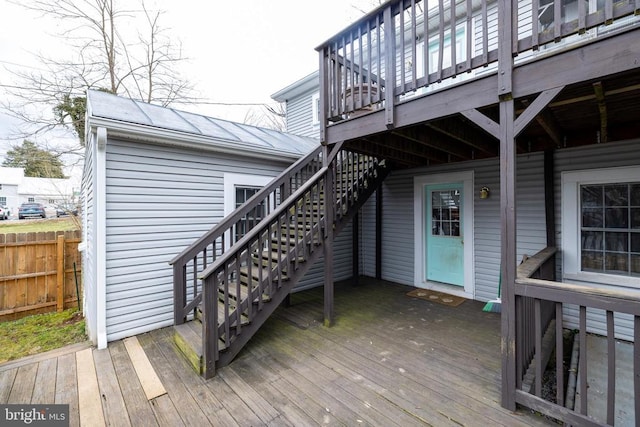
<point x="40" y="333"/>
<point x="35" y="225"/>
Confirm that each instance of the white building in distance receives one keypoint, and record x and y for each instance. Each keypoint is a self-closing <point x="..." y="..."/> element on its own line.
<point x="15" y="189"/>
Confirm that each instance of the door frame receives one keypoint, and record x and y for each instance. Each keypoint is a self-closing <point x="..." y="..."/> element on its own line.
<point x="419" y="221"/>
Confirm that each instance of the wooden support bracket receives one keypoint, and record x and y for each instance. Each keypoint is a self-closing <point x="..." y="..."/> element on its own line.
<point x="484" y="122"/>
<point x="598" y="89"/>
<point x="535" y="108"/>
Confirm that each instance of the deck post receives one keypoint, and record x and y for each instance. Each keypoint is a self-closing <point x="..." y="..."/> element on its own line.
<point x="379" y="232"/>
<point x="549" y="199"/>
<point x="324" y="96"/>
<point x="507" y="202"/>
<point x="329" y="201"/>
<point x="355" y="249"/>
<point x="390" y="56"/>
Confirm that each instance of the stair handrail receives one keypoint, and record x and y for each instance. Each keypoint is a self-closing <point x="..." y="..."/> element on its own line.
<point x="266" y="221"/>
<point x="228" y="221"/>
<point x="234" y="292"/>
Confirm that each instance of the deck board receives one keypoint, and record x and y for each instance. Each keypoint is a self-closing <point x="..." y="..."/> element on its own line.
<point x="45" y="386"/>
<point x="206" y="399"/>
<point x="389" y="360"/>
<point x="23" y="385"/>
<point x="137" y="406"/>
<point x="114" y="408"/>
<point x="186" y="405"/>
<point x="67" y="386"/>
<point x="7" y="379"/>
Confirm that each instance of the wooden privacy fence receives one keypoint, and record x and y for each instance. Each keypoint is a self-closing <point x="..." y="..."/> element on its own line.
<point x="37" y="273"/>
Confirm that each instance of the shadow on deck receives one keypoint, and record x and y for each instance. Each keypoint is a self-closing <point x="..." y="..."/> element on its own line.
<point x="389" y="360"/>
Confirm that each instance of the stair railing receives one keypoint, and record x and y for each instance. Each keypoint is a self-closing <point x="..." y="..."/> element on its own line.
<point x="293" y="231"/>
<point x="195" y="258"/>
<point x="291" y="234"/>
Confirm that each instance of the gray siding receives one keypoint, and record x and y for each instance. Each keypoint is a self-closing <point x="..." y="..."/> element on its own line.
<point x="593" y="157"/>
<point x="368" y="237"/>
<point x="398" y="226"/>
<point x="159" y="200"/>
<point x="342" y="263"/>
<point x="299" y="116"/>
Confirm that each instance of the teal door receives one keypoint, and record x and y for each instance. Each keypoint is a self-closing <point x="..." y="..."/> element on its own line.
<point x="444" y="237"/>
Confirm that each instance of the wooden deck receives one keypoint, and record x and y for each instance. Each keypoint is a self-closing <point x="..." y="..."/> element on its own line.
<point x="390" y="360"/>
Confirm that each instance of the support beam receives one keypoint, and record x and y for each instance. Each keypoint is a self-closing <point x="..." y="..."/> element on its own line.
<point x="482" y="121"/>
<point x="328" y="242"/>
<point x="390" y="55"/>
<point x="371" y="147"/>
<point x="508" y="250"/>
<point x="549" y="199"/>
<point x="547" y="122"/>
<point x="379" y="232"/>
<point x="536" y="107"/>
<point x="355" y="248"/>
<point x="508" y="239"/>
<point x="465" y="134"/>
<point x="598" y="89"/>
<point x="435" y="142"/>
<point x="323" y="108"/>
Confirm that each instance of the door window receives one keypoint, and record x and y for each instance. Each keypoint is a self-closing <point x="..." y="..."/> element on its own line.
<point x="445" y="213"/>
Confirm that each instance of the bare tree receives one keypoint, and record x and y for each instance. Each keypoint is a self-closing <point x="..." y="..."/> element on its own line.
<point x="110" y="48"/>
<point x="268" y="116"/>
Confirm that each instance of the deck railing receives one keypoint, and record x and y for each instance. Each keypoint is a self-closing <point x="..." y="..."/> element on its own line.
<point x="406" y="46"/>
<point x="548" y="300"/>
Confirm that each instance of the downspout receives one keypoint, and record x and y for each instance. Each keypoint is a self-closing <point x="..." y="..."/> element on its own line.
<point x="101" y="237"/>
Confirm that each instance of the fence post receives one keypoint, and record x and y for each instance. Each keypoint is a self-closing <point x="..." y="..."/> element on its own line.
<point x="60" y="273"/>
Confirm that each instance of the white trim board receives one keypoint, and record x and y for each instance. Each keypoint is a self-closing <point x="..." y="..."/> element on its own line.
<point x="100" y="211"/>
<point x="570" y="222"/>
<point x="419" y="182"/>
<point x="230" y="181"/>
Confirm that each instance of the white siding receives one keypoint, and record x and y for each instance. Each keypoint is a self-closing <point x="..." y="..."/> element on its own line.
<point x="159" y="200"/>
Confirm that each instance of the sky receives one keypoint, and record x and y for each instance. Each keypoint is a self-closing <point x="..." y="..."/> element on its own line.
<point x="240" y="52"/>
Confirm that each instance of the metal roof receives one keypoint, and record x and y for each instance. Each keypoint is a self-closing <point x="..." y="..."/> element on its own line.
<point x="207" y="130"/>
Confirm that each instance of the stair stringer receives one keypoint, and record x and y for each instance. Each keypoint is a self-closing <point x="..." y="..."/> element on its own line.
<point x="267" y="310"/>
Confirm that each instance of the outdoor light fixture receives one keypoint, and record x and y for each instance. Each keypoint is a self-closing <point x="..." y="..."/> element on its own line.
<point x="484" y="193"/>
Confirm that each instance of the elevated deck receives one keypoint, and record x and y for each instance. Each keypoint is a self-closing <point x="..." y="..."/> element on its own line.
<point x="386" y="92"/>
<point x="389" y="360"/>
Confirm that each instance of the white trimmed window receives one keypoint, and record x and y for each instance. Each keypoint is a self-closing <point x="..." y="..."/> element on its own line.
<point x="601" y="225"/>
<point x="238" y="188"/>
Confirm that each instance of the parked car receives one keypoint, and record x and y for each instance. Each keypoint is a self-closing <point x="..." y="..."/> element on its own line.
<point x="5" y="213"/>
<point x="66" y="210"/>
<point x="29" y="210"/>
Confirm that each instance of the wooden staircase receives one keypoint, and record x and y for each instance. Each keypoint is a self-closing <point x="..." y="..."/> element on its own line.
<point x="226" y="285"/>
